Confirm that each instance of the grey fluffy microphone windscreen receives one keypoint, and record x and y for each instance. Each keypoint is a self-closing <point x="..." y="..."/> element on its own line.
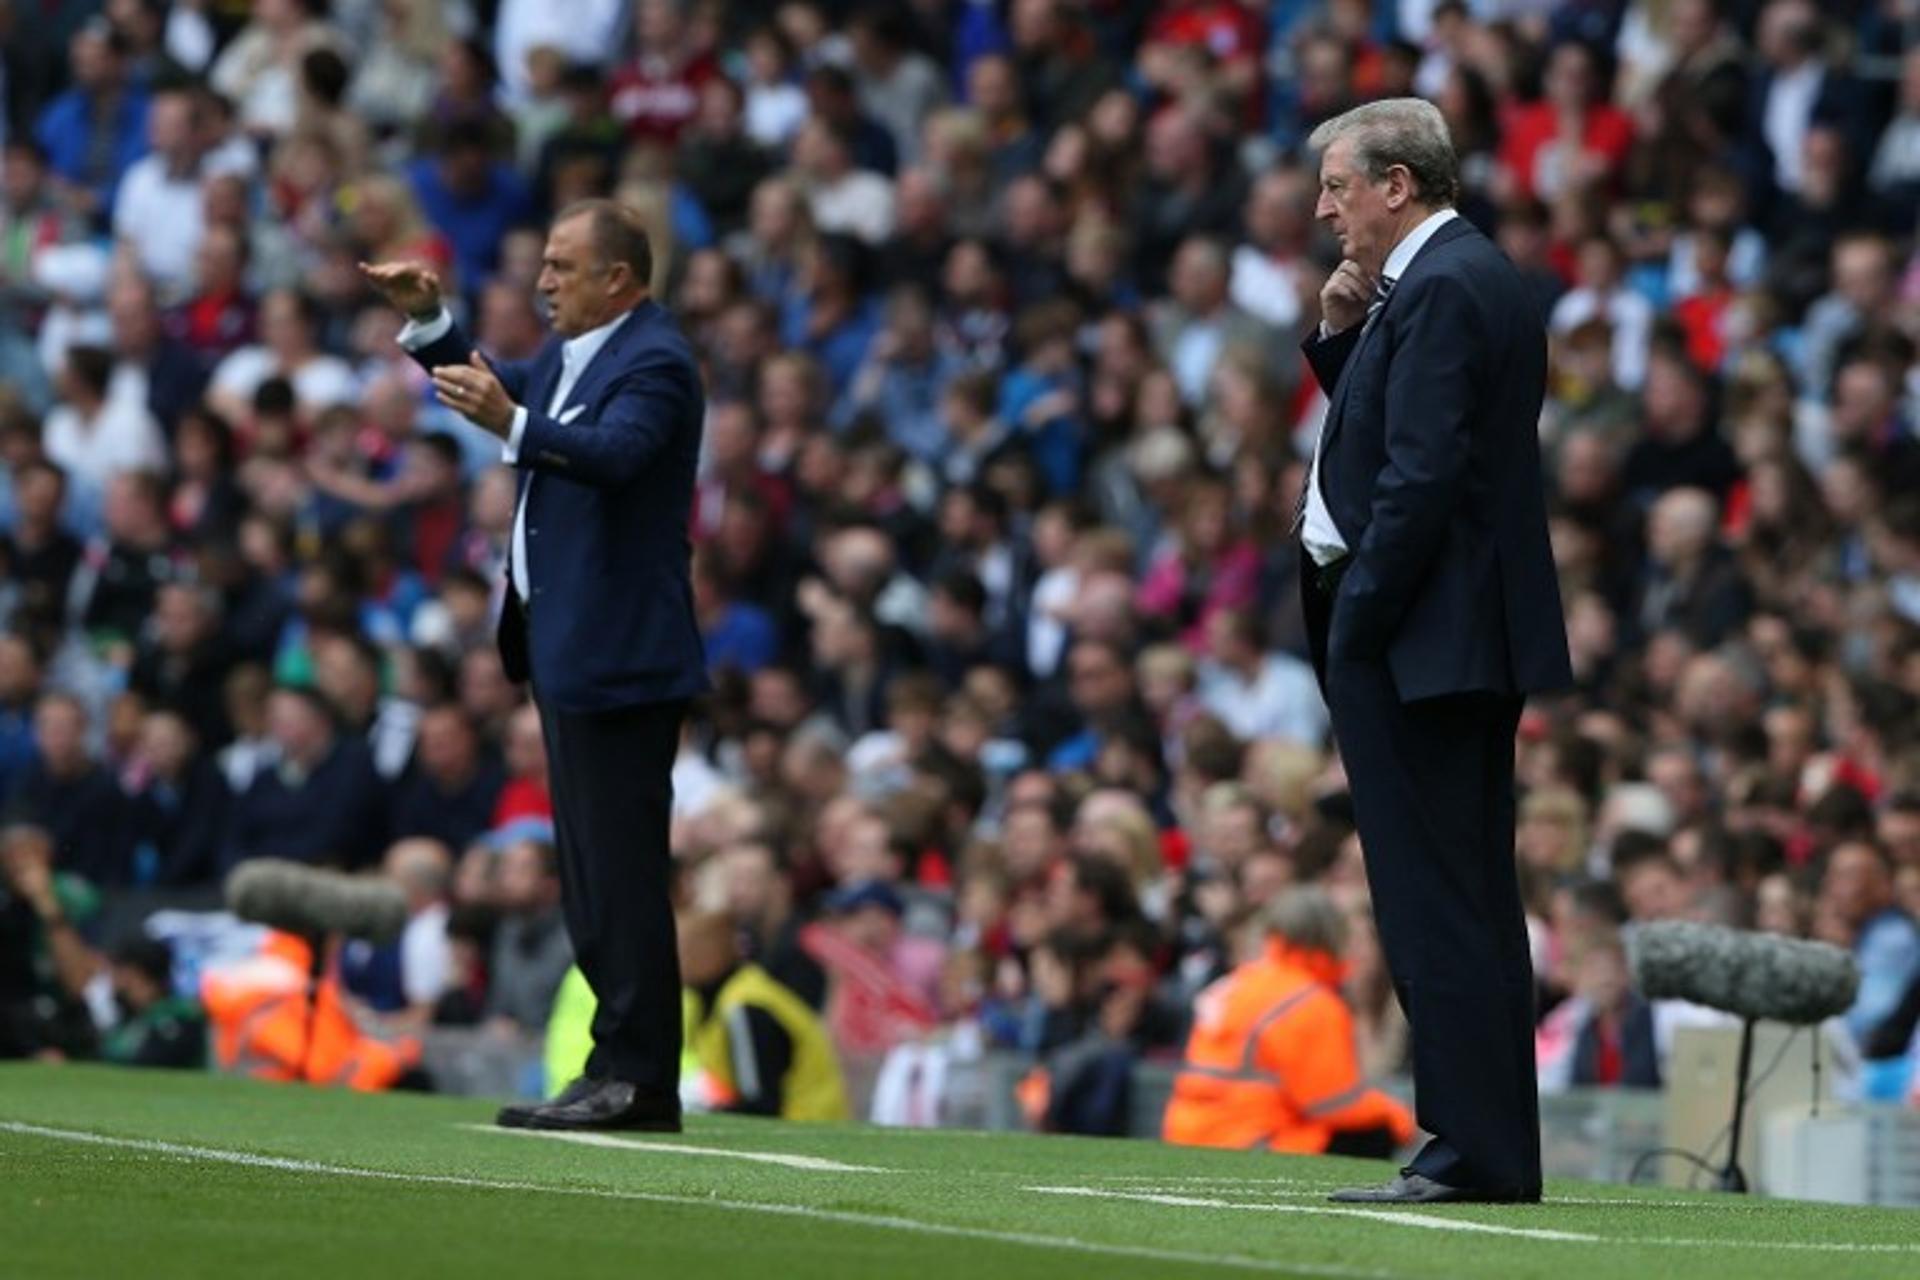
<point x="308" y="900"/>
<point x="1752" y="975"/>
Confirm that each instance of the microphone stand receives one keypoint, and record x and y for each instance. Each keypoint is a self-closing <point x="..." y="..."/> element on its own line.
<point x="316" y="976"/>
<point x="1731" y="1176"/>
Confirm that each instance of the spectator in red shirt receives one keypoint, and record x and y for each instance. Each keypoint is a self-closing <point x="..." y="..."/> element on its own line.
<point x="525" y="794"/>
<point x="1573" y="137"/>
<point x="219" y="318"/>
<point x="1702" y="314"/>
<point x="1230" y="32"/>
<point x="658" y="94"/>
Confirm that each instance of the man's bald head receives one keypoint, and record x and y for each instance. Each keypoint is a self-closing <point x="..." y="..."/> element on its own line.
<point x="423" y="869"/>
<point x="1681" y="527"/>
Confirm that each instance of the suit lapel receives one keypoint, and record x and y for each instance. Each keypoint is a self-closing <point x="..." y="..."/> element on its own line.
<point x="549" y="379"/>
<point x="607" y="358"/>
<point x="1337" y="411"/>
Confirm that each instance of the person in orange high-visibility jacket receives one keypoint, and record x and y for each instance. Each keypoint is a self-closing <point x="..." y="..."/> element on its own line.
<point x="1271" y="1063"/>
<point x="269" y="1023"/>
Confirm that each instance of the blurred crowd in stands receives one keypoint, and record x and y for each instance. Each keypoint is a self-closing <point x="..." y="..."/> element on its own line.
<point x="1000" y="304"/>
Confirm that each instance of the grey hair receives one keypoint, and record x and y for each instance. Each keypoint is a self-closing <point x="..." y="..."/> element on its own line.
<point x="1305" y="917"/>
<point x="1402" y="131"/>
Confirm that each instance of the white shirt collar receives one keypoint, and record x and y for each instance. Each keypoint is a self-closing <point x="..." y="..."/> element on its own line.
<point x="1415" y="240"/>
<point x="578" y="351"/>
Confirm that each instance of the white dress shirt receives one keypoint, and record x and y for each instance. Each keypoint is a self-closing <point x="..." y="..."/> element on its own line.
<point x="1788" y="113"/>
<point x="159" y="213"/>
<point x="1318" y="533"/>
<point x="576" y="354"/>
<point x="1280" y="701"/>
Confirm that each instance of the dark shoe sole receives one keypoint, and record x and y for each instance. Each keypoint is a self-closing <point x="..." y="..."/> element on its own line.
<point x="553" y="1124"/>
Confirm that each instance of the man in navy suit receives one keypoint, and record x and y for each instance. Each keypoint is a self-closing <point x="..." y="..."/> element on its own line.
<point x="1433" y="610"/>
<point x="604" y="426"/>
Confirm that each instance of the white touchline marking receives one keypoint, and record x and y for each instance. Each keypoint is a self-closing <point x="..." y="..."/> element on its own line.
<point x="1160" y="1180"/>
<point x="887" y="1222"/>
<point x="1411" y="1219"/>
<point x="812" y="1164"/>
<point x="1287" y="1191"/>
<point x="1399" y="1218"/>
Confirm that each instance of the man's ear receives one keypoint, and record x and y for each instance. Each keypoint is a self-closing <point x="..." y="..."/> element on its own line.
<point x="1399" y="186"/>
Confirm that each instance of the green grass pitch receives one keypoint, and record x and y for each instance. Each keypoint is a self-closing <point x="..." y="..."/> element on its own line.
<point x="106" y="1174"/>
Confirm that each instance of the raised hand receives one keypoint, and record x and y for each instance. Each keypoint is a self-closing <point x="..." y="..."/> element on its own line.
<point x="410" y="287"/>
<point x="1344" y="299"/>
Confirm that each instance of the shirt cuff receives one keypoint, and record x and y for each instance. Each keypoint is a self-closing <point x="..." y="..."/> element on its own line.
<point x="510" y="452"/>
<point x="415" y="334"/>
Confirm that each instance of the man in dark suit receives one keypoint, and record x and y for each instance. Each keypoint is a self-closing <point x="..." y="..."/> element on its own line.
<point x="605" y="428"/>
<point x="1432" y="611"/>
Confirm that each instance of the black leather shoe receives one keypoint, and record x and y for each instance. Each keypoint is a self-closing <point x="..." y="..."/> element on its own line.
<point x="516" y="1114"/>
<point x="606" y="1104"/>
<point x="1416" y="1188"/>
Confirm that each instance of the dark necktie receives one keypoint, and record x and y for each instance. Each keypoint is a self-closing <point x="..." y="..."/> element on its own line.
<point x="1382" y="290"/>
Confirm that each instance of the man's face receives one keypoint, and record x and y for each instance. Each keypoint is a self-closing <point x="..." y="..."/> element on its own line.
<point x="526" y="748"/>
<point x="39" y="495"/>
<point x="59" y="731"/>
<point x="1899" y="831"/>
<point x="295" y="727"/>
<point x="218" y="262"/>
<point x="92" y="61"/>
<point x="135" y="326"/>
<point x="1274" y="207"/>
<point x="170" y="128"/>
<point x="1356" y="208"/>
<point x="524" y="882"/>
<point x="748" y="876"/>
<point x="19" y="673"/>
<point x="1856" y="885"/>
<point x="178" y="618"/>
<point x="166" y="743"/>
<point x="282" y="326"/>
<point x="578" y="287"/>
<point x="1198" y="283"/>
<point x="1653" y="892"/>
<point x="446" y="745"/>
<point x="1096" y="679"/>
<point x="21" y="176"/>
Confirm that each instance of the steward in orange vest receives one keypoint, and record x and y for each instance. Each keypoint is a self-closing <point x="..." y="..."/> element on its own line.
<point x="268" y="1022"/>
<point x="1271" y="1062"/>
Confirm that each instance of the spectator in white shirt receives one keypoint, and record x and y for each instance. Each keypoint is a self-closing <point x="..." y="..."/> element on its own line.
<point x="776" y="105"/>
<point x="1256" y="694"/>
<point x="1602" y="293"/>
<point x="1790" y="40"/>
<point x="1268" y="269"/>
<point x="423" y="868"/>
<point x="844" y="199"/>
<point x="287" y="350"/>
<point x="92" y="435"/>
<point x="259" y="70"/>
<point x="158" y="211"/>
<point x="586" y="31"/>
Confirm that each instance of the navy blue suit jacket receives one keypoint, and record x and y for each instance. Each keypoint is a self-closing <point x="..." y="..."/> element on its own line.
<point x="1430" y="467"/>
<point x="608" y="486"/>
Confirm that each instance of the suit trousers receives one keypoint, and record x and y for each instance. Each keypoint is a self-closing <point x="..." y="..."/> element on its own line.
<point x="1433" y="796"/>
<point x="612" y="779"/>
